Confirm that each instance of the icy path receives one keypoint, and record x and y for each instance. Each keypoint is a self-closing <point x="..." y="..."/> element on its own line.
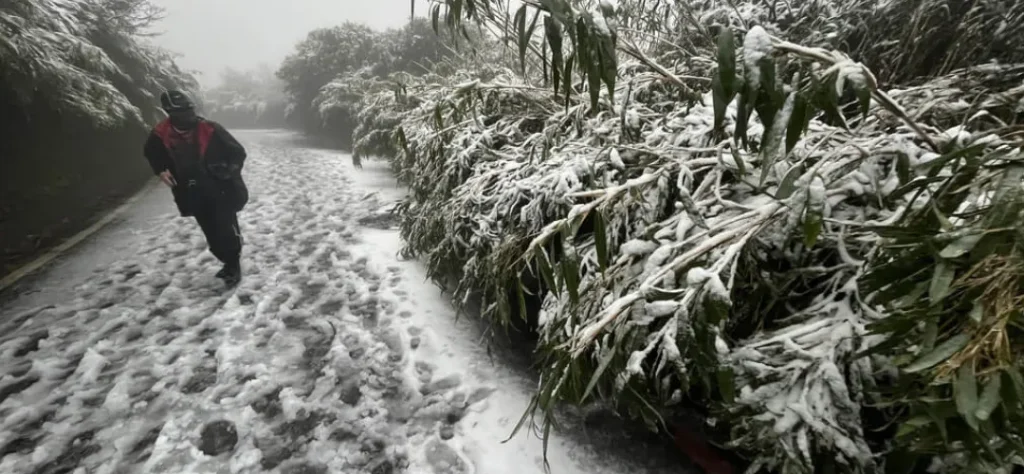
<point x="332" y="356"/>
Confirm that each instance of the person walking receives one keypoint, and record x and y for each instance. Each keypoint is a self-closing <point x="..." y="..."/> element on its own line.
<point x="202" y="164"/>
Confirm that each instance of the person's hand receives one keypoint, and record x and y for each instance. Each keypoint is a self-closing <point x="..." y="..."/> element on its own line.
<point x="168" y="179"/>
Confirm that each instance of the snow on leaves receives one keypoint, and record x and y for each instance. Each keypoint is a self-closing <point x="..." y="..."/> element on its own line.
<point x="729" y="247"/>
<point x="66" y="49"/>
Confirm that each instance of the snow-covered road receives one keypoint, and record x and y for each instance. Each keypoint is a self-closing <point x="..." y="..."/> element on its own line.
<point x="332" y="356"/>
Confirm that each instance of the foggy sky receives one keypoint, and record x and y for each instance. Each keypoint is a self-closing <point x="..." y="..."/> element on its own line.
<point x="210" y="35"/>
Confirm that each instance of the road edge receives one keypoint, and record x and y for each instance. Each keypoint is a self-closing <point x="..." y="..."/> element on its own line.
<point x="42" y="260"/>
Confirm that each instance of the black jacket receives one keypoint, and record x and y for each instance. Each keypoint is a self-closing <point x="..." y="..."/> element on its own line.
<point x="222" y="159"/>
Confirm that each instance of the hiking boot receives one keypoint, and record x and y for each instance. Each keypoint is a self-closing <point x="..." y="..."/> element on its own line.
<point x="231" y="274"/>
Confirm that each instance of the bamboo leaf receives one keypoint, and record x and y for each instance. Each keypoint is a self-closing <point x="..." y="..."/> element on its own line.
<point x="533" y="25"/>
<point x="544" y="265"/>
<point x="903" y="168"/>
<point x="774" y="144"/>
<point x="965" y="392"/>
<point x="942" y="278"/>
<point x="435" y="13"/>
<point x="600" y="240"/>
<point x="522" y="40"/>
<point x="990" y="398"/>
<point x="940" y="354"/>
<point x="720" y="102"/>
<point x="743" y="109"/>
<point x="567" y="79"/>
<point x="812" y="227"/>
<point x="570" y="275"/>
<point x="863" y="92"/>
<point x="1012" y="388"/>
<point x="520" y="295"/>
<point x="606" y="43"/>
<point x="913" y="424"/>
<point x="601" y="367"/>
<point x="788" y="183"/>
<point x="961" y="246"/>
<point x="913" y="186"/>
<point x="770" y="99"/>
<point x="727" y="62"/>
<point x="553" y="33"/>
<point x="726" y="384"/>
<point x="933" y="166"/>
<point x="798" y="121"/>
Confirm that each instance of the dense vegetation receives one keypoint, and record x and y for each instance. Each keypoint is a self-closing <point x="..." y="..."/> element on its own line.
<point x="320" y="76"/>
<point x="78" y="85"/>
<point x="802" y="218"/>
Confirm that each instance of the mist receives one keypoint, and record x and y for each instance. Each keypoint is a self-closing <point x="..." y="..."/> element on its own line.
<point x="211" y="35"/>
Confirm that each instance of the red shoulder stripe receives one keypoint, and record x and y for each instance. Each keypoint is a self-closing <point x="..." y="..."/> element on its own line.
<point x="204" y="133"/>
<point x="163" y="130"/>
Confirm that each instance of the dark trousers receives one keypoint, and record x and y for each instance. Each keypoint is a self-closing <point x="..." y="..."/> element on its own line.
<point x="220" y="225"/>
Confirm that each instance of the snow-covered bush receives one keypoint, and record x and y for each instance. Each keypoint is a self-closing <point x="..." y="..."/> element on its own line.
<point x="329" y="71"/>
<point x="79" y="58"/>
<point x="831" y="269"/>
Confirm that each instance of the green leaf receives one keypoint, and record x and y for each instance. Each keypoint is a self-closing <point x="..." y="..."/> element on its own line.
<point x="435" y="13"/>
<point x="903" y="168"/>
<point x="743" y="109"/>
<point x="522" y="300"/>
<point x="567" y="79"/>
<point x="600" y="240"/>
<point x="1013" y="383"/>
<point x="965" y="393"/>
<point x="961" y="246"/>
<point x="813" y="213"/>
<point x="788" y="183"/>
<point x="570" y="275"/>
<point x="726" y="384"/>
<point x="913" y="424"/>
<point x="522" y="41"/>
<point x="940" y="354"/>
<point x="934" y="166"/>
<point x="942" y="278"/>
<point x="990" y="398"/>
<point x="863" y="91"/>
<point x="658" y="294"/>
<point x="798" y="121"/>
<point x="812" y="228"/>
<point x="770" y="99"/>
<point x="715" y="310"/>
<point x="607" y="59"/>
<point x="601" y="366"/>
<point x="773" y="147"/>
<point x="438" y="118"/>
<point x="559" y="9"/>
<point x="720" y="102"/>
<point x="553" y="33"/>
<point x="544" y="265"/>
<point x="727" y="62"/>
